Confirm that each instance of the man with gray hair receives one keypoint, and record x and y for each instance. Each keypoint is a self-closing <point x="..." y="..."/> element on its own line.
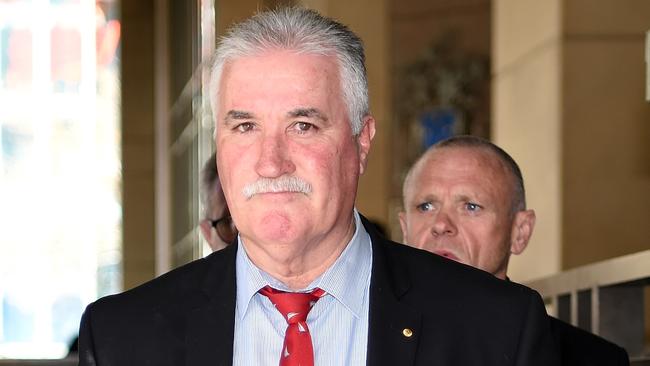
<point x="309" y="281"/>
<point x="217" y="226"/>
<point x="464" y="199"/>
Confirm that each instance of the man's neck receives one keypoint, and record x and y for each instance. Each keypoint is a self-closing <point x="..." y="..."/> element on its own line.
<point x="298" y="264"/>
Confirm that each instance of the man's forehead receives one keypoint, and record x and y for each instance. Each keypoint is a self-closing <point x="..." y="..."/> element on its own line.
<point x="428" y="187"/>
<point x="279" y="57"/>
<point x="297" y="112"/>
<point x="300" y="78"/>
<point x="466" y="160"/>
<point x="466" y="170"/>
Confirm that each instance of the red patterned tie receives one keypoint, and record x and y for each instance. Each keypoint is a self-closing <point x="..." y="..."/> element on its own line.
<point x="294" y="307"/>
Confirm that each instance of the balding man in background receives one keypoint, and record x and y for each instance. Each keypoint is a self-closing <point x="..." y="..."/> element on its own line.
<point x="464" y="199"/>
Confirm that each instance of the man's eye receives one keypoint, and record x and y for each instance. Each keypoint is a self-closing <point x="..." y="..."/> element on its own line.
<point x="244" y="127"/>
<point x="423" y="207"/>
<point x="471" y="206"/>
<point x="303" y="126"/>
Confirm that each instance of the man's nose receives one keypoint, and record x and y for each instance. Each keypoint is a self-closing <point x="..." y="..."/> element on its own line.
<point x="443" y="224"/>
<point x="274" y="159"/>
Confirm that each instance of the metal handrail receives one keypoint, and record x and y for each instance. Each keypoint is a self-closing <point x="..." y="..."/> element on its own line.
<point x="628" y="268"/>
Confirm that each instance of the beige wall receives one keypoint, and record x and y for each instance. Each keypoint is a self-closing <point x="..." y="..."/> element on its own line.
<point x="606" y="124"/>
<point x="416" y="24"/>
<point x="229" y="12"/>
<point x="526" y="109"/>
<point x="568" y="104"/>
<point x="137" y="142"/>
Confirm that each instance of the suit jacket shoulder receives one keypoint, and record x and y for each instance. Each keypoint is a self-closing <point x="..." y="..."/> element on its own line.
<point x="581" y="348"/>
<point x="424" y="309"/>
<point x="148" y="325"/>
<point x="455" y="314"/>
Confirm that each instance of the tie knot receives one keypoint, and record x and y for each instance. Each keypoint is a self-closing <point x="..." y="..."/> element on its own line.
<point x="294" y="306"/>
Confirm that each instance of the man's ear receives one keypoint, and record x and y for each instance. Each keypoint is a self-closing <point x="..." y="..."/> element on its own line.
<point x="364" y="139"/>
<point x="404" y="226"/>
<point x="522" y="229"/>
<point x="206" y="230"/>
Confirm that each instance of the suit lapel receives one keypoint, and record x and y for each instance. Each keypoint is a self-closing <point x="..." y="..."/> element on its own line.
<point x="389" y="339"/>
<point x="210" y="326"/>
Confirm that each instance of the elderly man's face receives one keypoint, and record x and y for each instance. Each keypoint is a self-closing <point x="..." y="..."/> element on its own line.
<point x="282" y="115"/>
<point x="458" y="205"/>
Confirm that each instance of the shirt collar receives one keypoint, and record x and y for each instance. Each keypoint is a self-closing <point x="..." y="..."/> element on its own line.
<point x="344" y="280"/>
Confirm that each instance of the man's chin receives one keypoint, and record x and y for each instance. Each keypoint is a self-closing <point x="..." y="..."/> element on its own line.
<point x="278" y="225"/>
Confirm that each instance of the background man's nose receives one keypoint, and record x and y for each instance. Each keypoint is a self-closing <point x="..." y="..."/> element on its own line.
<point x="443" y="224"/>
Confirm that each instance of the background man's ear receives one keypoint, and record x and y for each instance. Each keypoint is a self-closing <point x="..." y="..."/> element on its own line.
<point x="206" y="230"/>
<point x="522" y="229"/>
<point x="402" y="224"/>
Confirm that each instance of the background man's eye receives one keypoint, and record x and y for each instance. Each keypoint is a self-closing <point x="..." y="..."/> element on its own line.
<point x="426" y="206"/>
<point x="472" y="206"/>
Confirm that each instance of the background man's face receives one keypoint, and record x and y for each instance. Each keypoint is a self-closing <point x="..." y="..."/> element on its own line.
<point x="283" y="114"/>
<point x="458" y="205"/>
<point x="217" y="209"/>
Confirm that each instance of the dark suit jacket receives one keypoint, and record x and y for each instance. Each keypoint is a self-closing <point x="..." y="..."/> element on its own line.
<point x="458" y="316"/>
<point x="581" y="348"/>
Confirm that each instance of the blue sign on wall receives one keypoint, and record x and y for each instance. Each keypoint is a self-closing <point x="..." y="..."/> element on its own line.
<point x="437" y="125"/>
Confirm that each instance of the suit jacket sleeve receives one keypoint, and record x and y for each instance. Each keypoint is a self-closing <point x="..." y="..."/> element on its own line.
<point x="537" y="346"/>
<point x="86" y="348"/>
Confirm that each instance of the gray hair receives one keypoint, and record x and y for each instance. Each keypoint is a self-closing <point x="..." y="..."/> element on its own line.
<point x="518" y="202"/>
<point x="209" y="183"/>
<point x="303" y="31"/>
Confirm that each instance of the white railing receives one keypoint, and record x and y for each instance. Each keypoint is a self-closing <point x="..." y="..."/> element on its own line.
<point x="606" y="298"/>
<point x="70" y="361"/>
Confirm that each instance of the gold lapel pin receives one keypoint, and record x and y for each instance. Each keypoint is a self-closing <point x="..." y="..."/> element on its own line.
<point x="407" y="332"/>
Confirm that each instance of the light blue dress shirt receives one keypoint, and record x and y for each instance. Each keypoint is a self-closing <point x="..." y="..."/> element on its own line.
<point x="338" y="322"/>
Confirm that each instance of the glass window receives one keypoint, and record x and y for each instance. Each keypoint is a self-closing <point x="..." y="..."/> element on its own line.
<point x="60" y="209"/>
<point x="192" y="36"/>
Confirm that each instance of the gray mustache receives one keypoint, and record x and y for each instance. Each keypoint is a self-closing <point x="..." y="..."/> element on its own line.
<point x="285" y="183"/>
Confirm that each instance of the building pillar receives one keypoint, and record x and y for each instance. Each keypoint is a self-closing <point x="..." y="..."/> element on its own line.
<point x="568" y="104"/>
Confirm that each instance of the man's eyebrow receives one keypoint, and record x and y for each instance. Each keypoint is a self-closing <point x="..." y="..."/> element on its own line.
<point x="424" y="198"/>
<point x="307" y="113"/>
<point x="237" y="115"/>
<point x="471" y="197"/>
